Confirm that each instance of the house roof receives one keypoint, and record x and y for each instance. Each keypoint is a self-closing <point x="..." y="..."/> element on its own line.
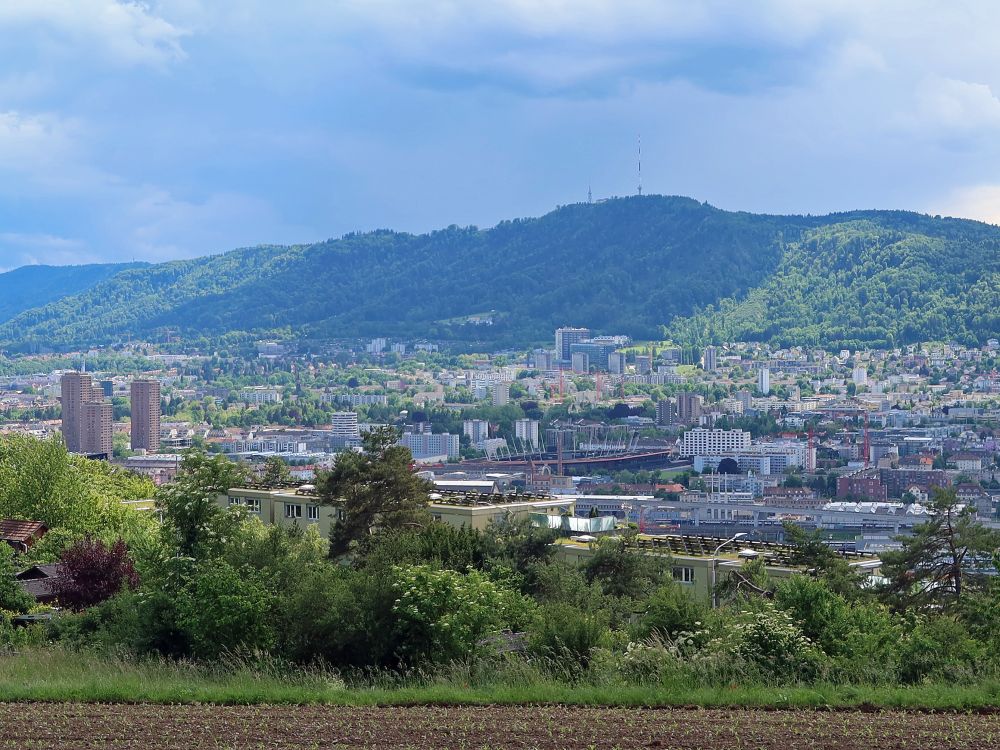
<point x="13" y="530"/>
<point x="49" y="570"/>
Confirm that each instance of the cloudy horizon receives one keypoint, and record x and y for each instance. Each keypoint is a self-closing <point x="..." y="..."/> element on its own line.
<point x="178" y="128"/>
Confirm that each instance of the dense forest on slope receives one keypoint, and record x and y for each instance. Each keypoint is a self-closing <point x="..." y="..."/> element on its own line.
<point x="628" y="265"/>
<point x="33" y="286"/>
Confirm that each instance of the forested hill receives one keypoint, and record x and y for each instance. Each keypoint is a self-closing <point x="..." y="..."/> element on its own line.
<point x="31" y="286"/>
<point x="627" y="265"/>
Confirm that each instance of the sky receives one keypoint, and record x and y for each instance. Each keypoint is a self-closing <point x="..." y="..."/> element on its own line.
<point x="176" y="128"/>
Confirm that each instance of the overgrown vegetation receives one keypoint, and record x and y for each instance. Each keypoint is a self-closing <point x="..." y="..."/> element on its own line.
<point x="411" y="603"/>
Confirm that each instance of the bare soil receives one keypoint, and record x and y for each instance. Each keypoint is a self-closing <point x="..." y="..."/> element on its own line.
<point x="152" y="727"/>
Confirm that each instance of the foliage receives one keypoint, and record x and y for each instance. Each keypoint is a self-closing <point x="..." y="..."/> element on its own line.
<point x="866" y="278"/>
<point x="944" y="557"/>
<point x="91" y="572"/>
<point x="623" y="571"/>
<point x="276" y="472"/>
<point x="671" y="611"/>
<point x="73" y="496"/>
<point x="222" y="608"/>
<point x="443" y="614"/>
<point x="13" y="598"/>
<point x="375" y="489"/>
<point x="193" y="522"/>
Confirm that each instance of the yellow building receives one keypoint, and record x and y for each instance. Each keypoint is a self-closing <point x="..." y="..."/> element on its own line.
<point x="290" y="506"/>
<point x="699" y="565"/>
<point x="477" y="511"/>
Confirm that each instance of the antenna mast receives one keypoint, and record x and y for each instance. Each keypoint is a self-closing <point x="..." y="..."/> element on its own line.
<point x="639" y="163"/>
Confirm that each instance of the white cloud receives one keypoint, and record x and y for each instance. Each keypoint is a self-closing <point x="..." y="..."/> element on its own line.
<point x="980" y="202"/>
<point x="957" y="105"/>
<point x="122" y="31"/>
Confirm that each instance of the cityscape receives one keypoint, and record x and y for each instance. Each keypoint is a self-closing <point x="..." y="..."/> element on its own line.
<point x="481" y="375"/>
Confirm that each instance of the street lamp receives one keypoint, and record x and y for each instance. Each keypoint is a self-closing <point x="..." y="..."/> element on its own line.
<point x="715" y="564"/>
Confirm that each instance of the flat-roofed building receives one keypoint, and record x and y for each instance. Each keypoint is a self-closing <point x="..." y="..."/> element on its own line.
<point x="145" y="408"/>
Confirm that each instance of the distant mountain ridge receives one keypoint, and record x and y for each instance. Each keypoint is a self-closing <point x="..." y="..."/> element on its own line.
<point x="627" y="265"/>
<point x="34" y="286"/>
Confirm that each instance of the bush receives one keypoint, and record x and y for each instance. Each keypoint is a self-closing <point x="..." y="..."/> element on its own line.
<point x="92" y="572"/>
<point x="671" y="611"/>
<point x="774" y="646"/>
<point x="939" y="648"/>
<point x="563" y="631"/>
<point x="223" y="609"/>
<point x="442" y="614"/>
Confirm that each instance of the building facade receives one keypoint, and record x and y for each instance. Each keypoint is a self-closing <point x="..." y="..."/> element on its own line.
<point x="145" y="406"/>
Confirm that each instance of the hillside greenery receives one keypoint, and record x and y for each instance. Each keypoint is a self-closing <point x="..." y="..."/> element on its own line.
<point x="32" y="286"/>
<point x="640" y="266"/>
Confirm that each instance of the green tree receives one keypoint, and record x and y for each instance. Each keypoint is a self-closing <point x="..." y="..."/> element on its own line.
<point x="375" y="489"/>
<point x="193" y="521"/>
<point x="276" y="472"/>
<point x="945" y="556"/>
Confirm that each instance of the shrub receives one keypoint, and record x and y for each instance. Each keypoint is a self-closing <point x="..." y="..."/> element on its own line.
<point x="92" y="572"/>
<point x="671" y="611"/>
<point x="563" y="631"/>
<point x="443" y="615"/>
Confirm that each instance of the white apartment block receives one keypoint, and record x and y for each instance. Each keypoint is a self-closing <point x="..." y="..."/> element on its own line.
<point x="355" y="399"/>
<point x="478" y="431"/>
<point x="425" y="445"/>
<point x="345" y="424"/>
<point x="260" y="395"/>
<point x="704" y="442"/>
<point x="526" y="430"/>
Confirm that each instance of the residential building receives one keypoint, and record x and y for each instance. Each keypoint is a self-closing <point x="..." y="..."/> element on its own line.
<point x="425" y="446"/>
<point x="580" y="362"/>
<point x="500" y="394"/>
<point x="98" y="420"/>
<point x="526" y="430"/>
<point x="616" y="363"/>
<point x="710" y="359"/>
<point x="764" y="381"/>
<point x="703" y="442"/>
<point x="666" y="412"/>
<point x="478" y="431"/>
<point x="344" y="424"/>
<point x="145" y="407"/>
<point x="260" y="395"/>
<point x="689" y="407"/>
<point x="77" y="389"/>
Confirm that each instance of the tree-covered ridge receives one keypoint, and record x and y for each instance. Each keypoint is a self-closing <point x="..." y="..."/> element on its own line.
<point x="627" y="265"/>
<point x="868" y="282"/>
<point x="31" y="286"/>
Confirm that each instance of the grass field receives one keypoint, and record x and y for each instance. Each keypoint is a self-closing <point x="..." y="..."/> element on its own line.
<point x="57" y="675"/>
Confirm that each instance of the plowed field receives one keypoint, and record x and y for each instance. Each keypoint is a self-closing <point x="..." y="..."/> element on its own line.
<point x="152" y="727"/>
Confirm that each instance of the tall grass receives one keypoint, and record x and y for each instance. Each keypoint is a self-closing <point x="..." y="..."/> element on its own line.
<point x="55" y="674"/>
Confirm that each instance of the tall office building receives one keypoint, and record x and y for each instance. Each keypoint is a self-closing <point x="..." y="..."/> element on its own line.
<point x="98" y="417"/>
<point x="77" y="389"/>
<point x="145" y="415"/>
<point x="565" y="338"/>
